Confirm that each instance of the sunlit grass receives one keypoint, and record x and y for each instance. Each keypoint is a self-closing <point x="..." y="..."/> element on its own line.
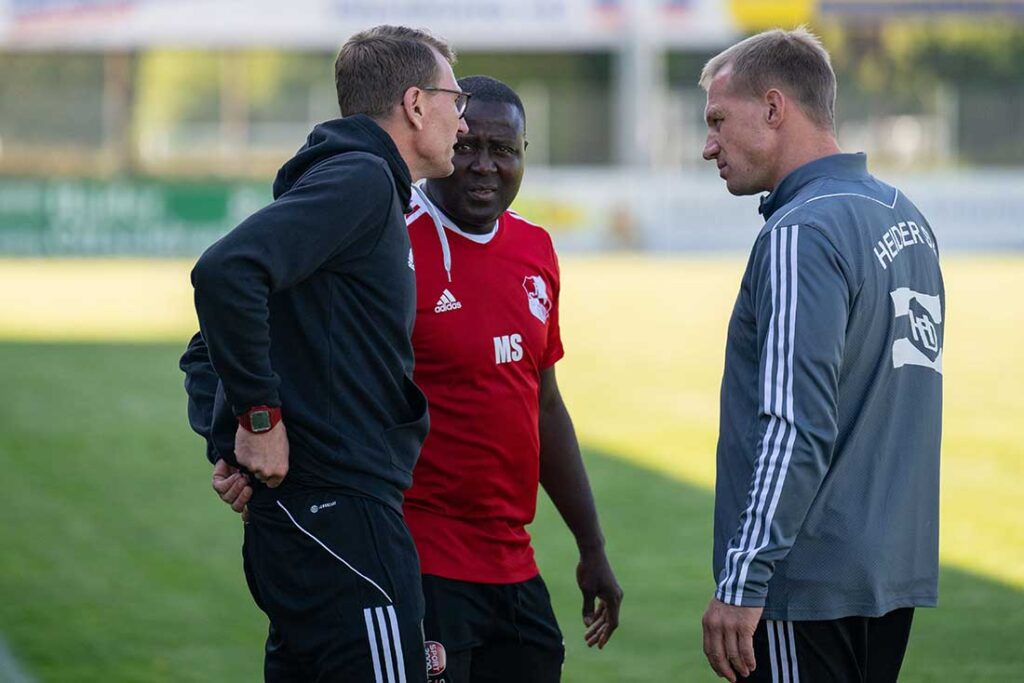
<point x="644" y="339"/>
<point x="119" y="565"/>
<point x="95" y="300"/>
<point x="644" y="360"/>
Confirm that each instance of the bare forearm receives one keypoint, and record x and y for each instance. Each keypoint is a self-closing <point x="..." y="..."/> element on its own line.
<point x="564" y="477"/>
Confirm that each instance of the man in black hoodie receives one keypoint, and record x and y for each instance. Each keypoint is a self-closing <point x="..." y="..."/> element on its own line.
<point x="306" y="311"/>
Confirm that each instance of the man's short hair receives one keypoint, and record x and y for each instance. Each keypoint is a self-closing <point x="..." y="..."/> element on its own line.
<point x="487" y="89"/>
<point x="375" y="67"/>
<point x="792" y="61"/>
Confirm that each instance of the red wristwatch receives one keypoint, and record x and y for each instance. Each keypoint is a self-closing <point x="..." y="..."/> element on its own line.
<point x="259" y="419"/>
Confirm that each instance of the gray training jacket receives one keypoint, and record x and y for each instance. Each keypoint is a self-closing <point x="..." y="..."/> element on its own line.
<point x="827" y="497"/>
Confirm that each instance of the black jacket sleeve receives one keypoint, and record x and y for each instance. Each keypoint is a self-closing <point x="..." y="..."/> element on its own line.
<point x="201" y="387"/>
<point x="331" y="215"/>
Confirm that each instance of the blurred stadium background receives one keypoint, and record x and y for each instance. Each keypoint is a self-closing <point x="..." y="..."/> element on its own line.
<point x="135" y="132"/>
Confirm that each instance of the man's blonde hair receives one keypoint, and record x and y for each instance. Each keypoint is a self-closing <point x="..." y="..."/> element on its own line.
<point x="794" y="61"/>
<point x="375" y="67"/>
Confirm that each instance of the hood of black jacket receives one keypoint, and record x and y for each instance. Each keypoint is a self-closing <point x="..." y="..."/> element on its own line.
<point x="358" y="133"/>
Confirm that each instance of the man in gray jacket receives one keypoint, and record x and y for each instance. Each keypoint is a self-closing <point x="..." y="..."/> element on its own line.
<point x="826" y="502"/>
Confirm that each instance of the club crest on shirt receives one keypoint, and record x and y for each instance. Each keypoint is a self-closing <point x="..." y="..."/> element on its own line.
<point x="437" y="658"/>
<point x="537" y="297"/>
<point x="921" y="344"/>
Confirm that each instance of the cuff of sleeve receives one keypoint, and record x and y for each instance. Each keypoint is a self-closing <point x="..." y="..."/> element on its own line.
<point x="247" y="402"/>
<point x="552" y="358"/>
<point x="742" y="599"/>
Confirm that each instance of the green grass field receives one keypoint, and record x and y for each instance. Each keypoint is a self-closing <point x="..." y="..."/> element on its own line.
<point x="119" y="564"/>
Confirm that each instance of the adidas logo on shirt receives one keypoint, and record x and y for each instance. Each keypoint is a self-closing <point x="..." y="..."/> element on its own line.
<point x="446" y="303"/>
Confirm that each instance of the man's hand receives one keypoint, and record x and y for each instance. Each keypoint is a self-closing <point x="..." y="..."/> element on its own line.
<point x="233" y="487"/>
<point x="596" y="580"/>
<point x="265" y="455"/>
<point x="729" y="638"/>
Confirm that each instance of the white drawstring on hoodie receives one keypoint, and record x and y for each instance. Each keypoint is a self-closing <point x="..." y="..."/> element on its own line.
<point x="441" y="233"/>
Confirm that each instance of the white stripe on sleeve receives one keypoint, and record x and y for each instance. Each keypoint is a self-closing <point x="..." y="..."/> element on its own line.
<point x="789" y="277"/>
<point x="733" y="553"/>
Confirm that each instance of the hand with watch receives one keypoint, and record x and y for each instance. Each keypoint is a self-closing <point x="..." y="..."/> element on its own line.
<point x="261" y="444"/>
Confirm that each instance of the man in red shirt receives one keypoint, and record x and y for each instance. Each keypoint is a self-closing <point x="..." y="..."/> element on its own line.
<point x="486" y="341"/>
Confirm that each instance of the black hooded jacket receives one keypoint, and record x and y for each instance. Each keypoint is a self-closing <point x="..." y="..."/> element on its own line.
<point x="309" y="305"/>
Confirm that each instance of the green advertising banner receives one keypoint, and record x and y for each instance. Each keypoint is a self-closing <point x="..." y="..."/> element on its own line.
<point x="131" y="217"/>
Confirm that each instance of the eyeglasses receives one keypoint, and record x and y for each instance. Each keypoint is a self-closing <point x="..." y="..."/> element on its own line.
<point x="461" y="98"/>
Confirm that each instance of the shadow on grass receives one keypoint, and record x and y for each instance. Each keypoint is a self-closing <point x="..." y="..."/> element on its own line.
<point x="659" y="540"/>
<point x="118" y="563"/>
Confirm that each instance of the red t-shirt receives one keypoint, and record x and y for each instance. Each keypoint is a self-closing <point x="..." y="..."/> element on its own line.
<point x="481" y="342"/>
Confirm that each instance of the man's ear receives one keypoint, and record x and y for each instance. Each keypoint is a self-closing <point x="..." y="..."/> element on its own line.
<point x="413" y="104"/>
<point x="775" y="108"/>
<point x="526" y="143"/>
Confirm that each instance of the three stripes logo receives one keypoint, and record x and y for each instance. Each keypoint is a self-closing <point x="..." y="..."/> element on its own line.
<point x="385" y="644"/>
<point x="782" y="651"/>
<point x="777" y="445"/>
<point x="446" y="303"/>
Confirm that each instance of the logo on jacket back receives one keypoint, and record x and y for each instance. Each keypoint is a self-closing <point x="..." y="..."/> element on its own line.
<point x="923" y="346"/>
<point x="537" y="297"/>
<point x="446" y="303"/>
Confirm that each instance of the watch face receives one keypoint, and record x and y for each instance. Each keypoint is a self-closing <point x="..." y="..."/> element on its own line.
<point x="260" y="420"/>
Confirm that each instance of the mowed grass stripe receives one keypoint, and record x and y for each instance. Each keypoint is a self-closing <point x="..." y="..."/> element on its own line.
<point x="645" y="344"/>
<point x="120" y="564"/>
<point x="95" y="299"/>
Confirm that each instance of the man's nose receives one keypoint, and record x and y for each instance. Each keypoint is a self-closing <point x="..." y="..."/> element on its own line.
<point x="463" y="126"/>
<point x="484" y="163"/>
<point x="711" y="148"/>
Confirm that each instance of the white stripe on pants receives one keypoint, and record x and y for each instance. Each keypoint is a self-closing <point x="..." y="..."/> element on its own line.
<point x="385" y="642"/>
<point x="782" y="652"/>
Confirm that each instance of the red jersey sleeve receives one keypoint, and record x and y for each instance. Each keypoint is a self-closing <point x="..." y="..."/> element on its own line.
<point x="554" y="351"/>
